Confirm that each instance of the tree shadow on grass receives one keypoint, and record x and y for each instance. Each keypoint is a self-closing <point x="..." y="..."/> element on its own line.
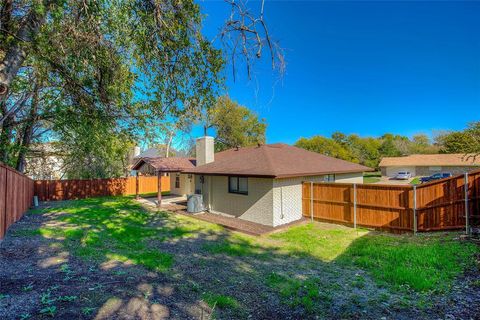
<point x="110" y="258"/>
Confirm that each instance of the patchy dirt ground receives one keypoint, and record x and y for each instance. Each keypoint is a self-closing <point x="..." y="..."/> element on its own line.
<point x="42" y="278"/>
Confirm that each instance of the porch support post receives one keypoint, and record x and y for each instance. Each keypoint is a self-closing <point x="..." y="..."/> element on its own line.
<point x="159" y="192"/>
<point x="137" y="186"/>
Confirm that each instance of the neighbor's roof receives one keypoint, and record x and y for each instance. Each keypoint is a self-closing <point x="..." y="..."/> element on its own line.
<point x="275" y="161"/>
<point x="151" y="153"/>
<point x="173" y="164"/>
<point x="453" y="159"/>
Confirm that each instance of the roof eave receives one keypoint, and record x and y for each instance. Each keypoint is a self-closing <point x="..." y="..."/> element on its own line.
<point x="431" y="165"/>
<point x="230" y="174"/>
<point x="310" y="174"/>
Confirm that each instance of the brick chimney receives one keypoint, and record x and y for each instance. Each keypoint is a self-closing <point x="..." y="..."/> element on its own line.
<point x="204" y="150"/>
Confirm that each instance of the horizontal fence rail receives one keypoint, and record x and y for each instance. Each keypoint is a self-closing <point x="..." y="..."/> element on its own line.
<point x="54" y="190"/>
<point x="438" y="205"/>
<point x="16" y="196"/>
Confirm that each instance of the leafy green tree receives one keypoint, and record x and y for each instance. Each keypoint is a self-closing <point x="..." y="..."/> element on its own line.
<point x="235" y="125"/>
<point x="365" y="150"/>
<point x="388" y="148"/>
<point x="466" y="141"/>
<point x="421" y="144"/>
<point x="339" y="138"/>
<point x="326" y="146"/>
<point x="126" y="65"/>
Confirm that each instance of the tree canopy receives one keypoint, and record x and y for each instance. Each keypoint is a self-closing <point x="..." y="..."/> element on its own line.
<point x="235" y="125"/>
<point x="106" y="72"/>
<point x="465" y="141"/>
<point x="367" y="151"/>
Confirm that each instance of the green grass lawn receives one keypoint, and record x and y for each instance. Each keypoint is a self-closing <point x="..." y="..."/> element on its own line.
<point x="310" y="266"/>
<point x="372" y="177"/>
<point x="119" y="229"/>
<point x="419" y="262"/>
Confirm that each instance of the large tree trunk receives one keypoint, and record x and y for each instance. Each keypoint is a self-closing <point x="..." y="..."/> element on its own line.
<point x="16" y="53"/>
<point x="6" y="16"/>
<point x="5" y="134"/>
<point x="28" y="131"/>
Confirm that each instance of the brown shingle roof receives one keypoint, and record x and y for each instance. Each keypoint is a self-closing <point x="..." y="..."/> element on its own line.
<point x="276" y="161"/>
<point x="453" y="159"/>
<point x="173" y="164"/>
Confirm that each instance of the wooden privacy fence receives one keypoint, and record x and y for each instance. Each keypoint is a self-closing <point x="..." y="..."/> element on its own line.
<point x="16" y="194"/>
<point x="440" y="205"/>
<point x="53" y="190"/>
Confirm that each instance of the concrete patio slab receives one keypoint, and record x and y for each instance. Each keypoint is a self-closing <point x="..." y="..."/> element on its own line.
<point x="178" y="205"/>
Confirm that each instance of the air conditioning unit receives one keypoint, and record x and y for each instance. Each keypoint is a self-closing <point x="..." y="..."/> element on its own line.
<point x="195" y="203"/>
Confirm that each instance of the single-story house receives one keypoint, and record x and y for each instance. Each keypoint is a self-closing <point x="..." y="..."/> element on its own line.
<point x="261" y="184"/>
<point x="428" y="164"/>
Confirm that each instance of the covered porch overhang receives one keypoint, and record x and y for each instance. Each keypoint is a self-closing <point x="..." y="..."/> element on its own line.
<point x="161" y="166"/>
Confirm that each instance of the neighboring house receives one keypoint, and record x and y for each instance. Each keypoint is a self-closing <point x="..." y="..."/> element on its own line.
<point x="44" y="163"/>
<point x="151" y="153"/>
<point x="262" y="184"/>
<point x="428" y="164"/>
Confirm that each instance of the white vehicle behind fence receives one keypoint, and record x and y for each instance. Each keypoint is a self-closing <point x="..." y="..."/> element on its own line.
<point x="403" y="175"/>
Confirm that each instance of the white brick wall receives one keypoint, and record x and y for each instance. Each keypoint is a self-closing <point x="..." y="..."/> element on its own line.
<point x="271" y="202"/>
<point x="287" y="199"/>
<point x="255" y="207"/>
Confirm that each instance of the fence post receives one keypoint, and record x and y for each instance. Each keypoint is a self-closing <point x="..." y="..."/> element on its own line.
<point x="311" y="201"/>
<point x="467" y="231"/>
<point x="414" y="209"/>
<point x="355" y="205"/>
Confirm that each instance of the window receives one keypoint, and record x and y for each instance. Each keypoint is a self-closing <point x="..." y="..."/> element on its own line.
<point x="238" y="185"/>
<point x="177" y="181"/>
<point x="329" y="178"/>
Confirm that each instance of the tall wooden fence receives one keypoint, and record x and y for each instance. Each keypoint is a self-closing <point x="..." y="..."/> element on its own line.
<point x="16" y="194"/>
<point x="438" y="205"/>
<point x="53" y="190"/>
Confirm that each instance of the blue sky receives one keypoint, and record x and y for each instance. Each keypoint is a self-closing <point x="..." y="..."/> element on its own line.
<point x="364" y="67"/>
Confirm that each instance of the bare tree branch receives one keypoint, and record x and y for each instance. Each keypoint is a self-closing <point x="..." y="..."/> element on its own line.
<point x="246" y="35"/>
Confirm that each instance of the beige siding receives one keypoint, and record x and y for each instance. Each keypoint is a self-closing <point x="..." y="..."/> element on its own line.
<point x="186" y="184"/>
<point x="355" y="177"/>
<point x="454" y="170"/>
<point x="393" y="171"/>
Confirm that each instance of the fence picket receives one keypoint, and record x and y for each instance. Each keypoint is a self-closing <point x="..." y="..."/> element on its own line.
<point x="16" y="195"/>
<point x="51" y="190"/>
<point x="438" y="205"/>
